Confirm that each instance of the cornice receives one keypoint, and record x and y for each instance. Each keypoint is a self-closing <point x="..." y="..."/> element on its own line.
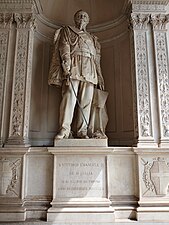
<point x="150" y="2"/>
<point x="155" y="6"/>
<point x="33" y="6"/>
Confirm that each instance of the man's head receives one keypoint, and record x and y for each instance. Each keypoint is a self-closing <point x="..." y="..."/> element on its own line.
<point x="81" y="19"/>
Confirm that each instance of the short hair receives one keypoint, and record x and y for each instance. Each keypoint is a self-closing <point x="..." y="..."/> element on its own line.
<point x="75" y="15"/>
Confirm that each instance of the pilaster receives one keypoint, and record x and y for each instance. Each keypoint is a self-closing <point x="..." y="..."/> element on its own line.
<point x="158" y="22"/>
<point x="5" y="32"/>
<point x="144" y="117"/>
<point x="21" y="91"/>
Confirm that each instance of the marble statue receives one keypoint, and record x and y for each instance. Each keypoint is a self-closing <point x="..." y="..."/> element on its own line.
<point x="75" y="66"/>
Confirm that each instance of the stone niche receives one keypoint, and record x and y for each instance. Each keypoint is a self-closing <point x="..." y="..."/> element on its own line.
<point x="114" y="37"/>
<point x="90" y="183"/>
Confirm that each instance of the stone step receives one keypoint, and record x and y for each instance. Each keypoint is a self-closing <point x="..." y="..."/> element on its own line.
<point x="118" y="222"/>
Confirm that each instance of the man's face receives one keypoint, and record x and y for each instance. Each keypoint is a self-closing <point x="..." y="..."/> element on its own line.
<point x="81" y="19"/>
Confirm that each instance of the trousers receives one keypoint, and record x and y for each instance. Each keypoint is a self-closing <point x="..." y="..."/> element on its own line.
<point x="84" y="92"/>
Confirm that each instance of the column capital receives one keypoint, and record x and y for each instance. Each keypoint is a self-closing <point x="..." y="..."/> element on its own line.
<point x="139" y="21"/>
<point x="6" y="20"/>
<point x="25" y="20"/>
<point x="159" y="21"/>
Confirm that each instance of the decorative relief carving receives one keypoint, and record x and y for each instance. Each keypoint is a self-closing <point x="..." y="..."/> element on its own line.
<point x="144" y="111"/>
<point x="139" y="21"/>
<point x="3" y="56"/>
<point x="19" y="84"/>
<point x="145" y="7"/>
<point x="22" y="82"/>
<point x="28" y="88"/>
<point x="6" y="20"/>
<point x="9" y="177"/>
<point x="156" y="177"/>
<point x="163" y="79"/>
<point x="159" y="21"/>
<point x="25" y="20"/>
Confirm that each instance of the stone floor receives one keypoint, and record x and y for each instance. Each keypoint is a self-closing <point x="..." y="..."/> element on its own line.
<point x="118" y="222"/>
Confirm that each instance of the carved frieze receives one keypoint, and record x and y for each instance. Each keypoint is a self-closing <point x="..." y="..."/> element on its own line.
<point x="10" y="177"/>
<point x="155" y="176"/>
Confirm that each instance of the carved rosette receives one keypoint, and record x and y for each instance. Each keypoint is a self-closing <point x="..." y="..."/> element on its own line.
<point x="139" y="24"/>
<point x="22" y="77"/>
<point x="160" y="41"/>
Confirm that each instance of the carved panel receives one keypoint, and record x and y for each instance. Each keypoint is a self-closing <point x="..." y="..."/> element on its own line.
<point x="160" y="41"/>
<point x="143" y="89"/>
<point x="3" y="57"/>
<point x="163" y="80"/>
<point x="10" y="177"/>
<point x="19" y="84"/>
<point x="155" y="176"/>
<point x="22" y="75"/>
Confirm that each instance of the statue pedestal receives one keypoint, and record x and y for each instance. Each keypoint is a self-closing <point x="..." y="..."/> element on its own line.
<point x="80" y="184"/>
<point x="91" y="142"/>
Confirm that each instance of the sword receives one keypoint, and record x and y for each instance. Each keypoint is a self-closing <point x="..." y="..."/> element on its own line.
<point x="81" y="110"/>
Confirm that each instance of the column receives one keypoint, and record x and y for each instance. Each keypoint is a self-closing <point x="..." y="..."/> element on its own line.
<point x="21" y="91"/>
<point x="5" y="28"/>
<point x="142" y="84"/>
<point x="158" y="22"/>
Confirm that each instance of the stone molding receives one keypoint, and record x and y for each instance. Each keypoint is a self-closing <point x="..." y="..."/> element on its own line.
<point x="149" y="5"/>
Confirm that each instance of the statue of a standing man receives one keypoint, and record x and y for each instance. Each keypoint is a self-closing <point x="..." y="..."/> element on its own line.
<point x="79" y="55"/>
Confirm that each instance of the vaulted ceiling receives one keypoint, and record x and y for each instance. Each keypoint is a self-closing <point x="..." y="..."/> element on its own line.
<point x="100" y="11"/>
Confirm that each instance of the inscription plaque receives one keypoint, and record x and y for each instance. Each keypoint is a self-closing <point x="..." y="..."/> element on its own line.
<point x="80" y="176"/>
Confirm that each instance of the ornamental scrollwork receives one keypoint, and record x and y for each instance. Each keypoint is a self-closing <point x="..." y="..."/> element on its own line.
<point x="163" y="79"/>
<point x="144" y="111"/>
<point x="6" y="20"/>
<point x="25" y="20"/>
<point x="159" y="21"/>
<point x="19" y="85"/>
<point x="3" y="56"/>
<point x="155" y="176"/>
<point x="139" y="21"/>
